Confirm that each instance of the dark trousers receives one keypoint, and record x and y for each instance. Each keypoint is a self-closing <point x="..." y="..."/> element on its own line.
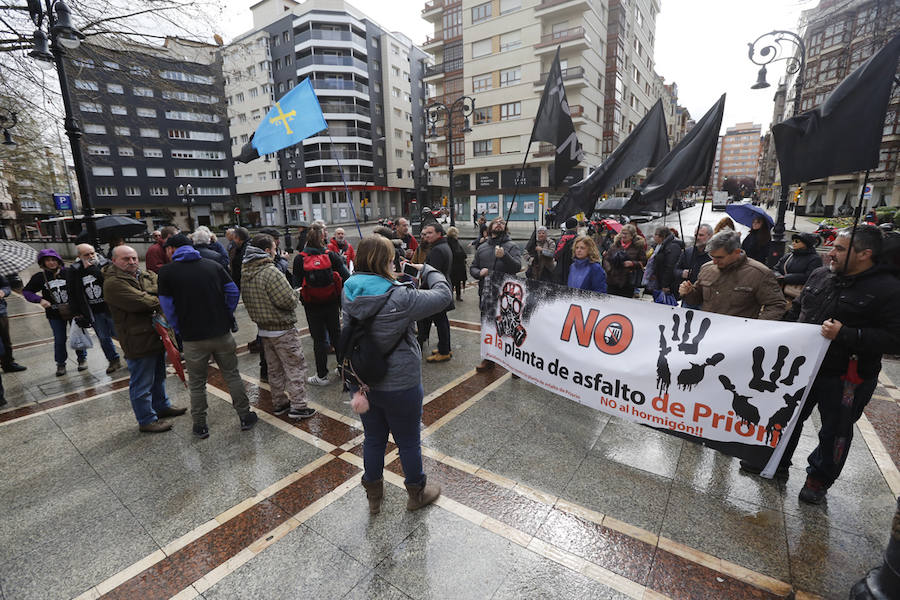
<point x="324" y="322"/>
<point x="827" y="460"/>
<point x="442" y="324"/>
<point x="399" y="413"/>
<point x="6" y="355"/>
<point x="625" y="291"/>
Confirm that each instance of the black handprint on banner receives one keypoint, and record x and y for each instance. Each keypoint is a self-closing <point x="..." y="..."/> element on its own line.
<point x="769" y="385"/>
<point x="692" y="375"/>
<point x="741" y="405"/>
<point x="783" y="415"/>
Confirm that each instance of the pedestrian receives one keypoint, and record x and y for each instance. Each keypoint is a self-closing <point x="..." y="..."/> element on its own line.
<point x="131" y="295"/>
<point x="321" y="274"/>
<point x="408" y="243"/>
<point x="86" y="300"/>
<point x="756" y="243"/>
<point x="585" y="270"/>
<point x="202" y="238"/>
<point x="440" y="256"/>
<point x="215" y="245"/>
<point x="51" y="282"/>
<point x="794" y="268"/>
<point x="563" y="255"/>
<point x="733" y="284"/>
<point x="724" y="223"/>
<point x="498" y="253"/>
<point x="459" y="271"/>
<point x="156" y="254"/>
<point x="624" y="262"/>
<point x="280" y="259"/>
<point x="302" y="232"/>
<point x="241" y="237"/>
<point x="854" y="301"/>
<point x="343" y="247"/>
<point x="665" y="257"/>
<point x="198" y="298"/>
<point x="540" y="252"/>
<point x="7" y="362"/>
<point x="692" y="258"/>
<point x="394" y="403"/>
<point x="271" y="302"/>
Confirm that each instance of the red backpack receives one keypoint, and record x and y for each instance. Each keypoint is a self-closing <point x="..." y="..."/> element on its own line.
<point x="321" y="284"/>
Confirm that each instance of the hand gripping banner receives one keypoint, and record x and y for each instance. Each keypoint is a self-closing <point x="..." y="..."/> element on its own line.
<point x="736" y="385"/>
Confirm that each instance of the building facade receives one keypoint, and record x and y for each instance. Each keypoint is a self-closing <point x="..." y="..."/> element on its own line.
<point x="154" y="129"/>
<point x="369" y="85"/>
<point x="738" y="153"/>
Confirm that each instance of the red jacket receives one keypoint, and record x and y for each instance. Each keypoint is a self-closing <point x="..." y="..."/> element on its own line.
<point x="347" y="251"/>
<point x="156" y="257"/>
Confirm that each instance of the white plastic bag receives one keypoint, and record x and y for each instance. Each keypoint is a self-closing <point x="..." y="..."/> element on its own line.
<point x="79" y="338"/>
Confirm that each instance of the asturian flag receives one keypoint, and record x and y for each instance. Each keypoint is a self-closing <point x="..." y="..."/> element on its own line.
<point x="553" y="124"/>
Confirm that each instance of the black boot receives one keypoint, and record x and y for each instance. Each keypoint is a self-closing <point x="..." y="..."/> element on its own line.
<point x="882" y="583"/>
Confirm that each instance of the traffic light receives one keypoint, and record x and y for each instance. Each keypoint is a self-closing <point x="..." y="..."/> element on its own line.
<point x="137" y="214"/>
<point x="541" y="198"/>
<point x="444" y="201"/>
<point x="797" y="194"/>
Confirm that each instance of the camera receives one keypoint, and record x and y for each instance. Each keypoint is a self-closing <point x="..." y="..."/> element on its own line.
<point x="410" y="270"/>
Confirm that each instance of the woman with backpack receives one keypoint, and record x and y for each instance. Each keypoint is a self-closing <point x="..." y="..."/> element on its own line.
<point x="388" y="310"/>
<point x="321" y="274"/>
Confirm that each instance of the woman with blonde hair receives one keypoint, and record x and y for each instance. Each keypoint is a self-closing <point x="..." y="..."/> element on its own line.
<point x="394" y="404"/>
<point x="586" y="272"/>
<point x="624" y="262"/>
<point x="724" y="223"/>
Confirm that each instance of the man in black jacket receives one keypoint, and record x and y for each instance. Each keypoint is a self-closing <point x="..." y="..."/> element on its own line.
<point x="668" y="251"/>
<point x="241" y="237"/>
<point x="441" y="258"/>
<point x="855" y="302"/>
<point x="86" y="301"/>
<point x="692" y="258"/>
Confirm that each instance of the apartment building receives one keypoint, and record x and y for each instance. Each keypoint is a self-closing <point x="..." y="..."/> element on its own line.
<point x="767" y="176"/>
<point x="499" y="52"/>
<point x="154" y="124"/>
<point x="839" y="36"/>
<point x="677" y="116"/>
<point x="369" y="85"/>
<point x="739" y="152"/>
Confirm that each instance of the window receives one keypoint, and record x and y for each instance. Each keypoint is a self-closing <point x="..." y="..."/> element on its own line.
<point x="254" y="114"/>
<point x="148" y="132"/>
<point x="159" y="190"/>
<point x="132" y="190"/>
<point x="156" y="172"/>
<point x="511" y="145"/>
<point x="118" y="109"/>
<point x="482" y="83"/>
<point x="188" y="97"/>
<point x="395" y="92"/>
<point x="124" y="131"/>
<point x="86" y="84"/>
<point x="137" y="70"/>
<point x="92" y="128"/>
<point x="481" y="48"/>
<point x="126" y="151"/>
<point x="144" y="92"/>
<point x="112" y="66"/>
<point x="483" y="115"/>
<point x="106" y="190"/>
<point x="510" y="76"/>
<point x="513" y="110"/>
<point x="481" y="12"/>
<point x="177" y="115"/>
<point x="254" y="92"/>
<point x="189" y="77"/>
<point x="94" y="107"/>
<point x="152" y="153"/>
<point x="98" y="150"/>
<point x="483" y="147"/>
<point x="145" y="112"/>
<point x="115" y="88"/>
<point x="509" y="6"/>
<point x="199" y="154"/>
<point x="510" y="41"/>
<point x="129" y="172"/>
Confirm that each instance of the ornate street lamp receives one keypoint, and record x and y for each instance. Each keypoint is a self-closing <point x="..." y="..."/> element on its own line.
<point x="438" y="111"/>
<point x="772" y="47"/>
<point x="8" y="120"/>
<point x="187" y="198"/>
<point x="54" y="35"/>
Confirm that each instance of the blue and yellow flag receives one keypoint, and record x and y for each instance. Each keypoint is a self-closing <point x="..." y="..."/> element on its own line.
<point x="293" y="118"/>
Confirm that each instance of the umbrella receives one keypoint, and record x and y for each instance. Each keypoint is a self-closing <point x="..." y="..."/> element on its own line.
<point x="118" y="226"/>
<point x="612" y="224"/>
<point x="162" y="328"/>
<point x="15" y="256"/>
<point x="745" y="213"/>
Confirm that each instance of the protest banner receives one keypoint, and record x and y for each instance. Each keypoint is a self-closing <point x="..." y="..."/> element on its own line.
<point x="736" y="385"/>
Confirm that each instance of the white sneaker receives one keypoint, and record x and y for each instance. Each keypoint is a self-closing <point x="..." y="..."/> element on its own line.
<point x="316" y="380"/>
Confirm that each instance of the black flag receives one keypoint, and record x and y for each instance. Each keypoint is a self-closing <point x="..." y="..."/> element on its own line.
<point x="553" y="124"/>
<point x="644" y="147"/>
<point x="843" y="135"/>
<point x="689" y="163"/>
<point x="248" y="152"/>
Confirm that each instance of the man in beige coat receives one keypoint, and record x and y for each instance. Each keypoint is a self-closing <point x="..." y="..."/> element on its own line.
<point x="732" y="284"/>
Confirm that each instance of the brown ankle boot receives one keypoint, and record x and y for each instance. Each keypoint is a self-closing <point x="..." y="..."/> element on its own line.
<point x="421" y="495"/>
<point x="374" y="492"/>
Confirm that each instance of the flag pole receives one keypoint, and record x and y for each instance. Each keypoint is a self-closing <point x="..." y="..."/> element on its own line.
<point x="680" y="226"/>
<point x="516" y="188"/>
<point x="856" y="216"/>
<point x="702" y="206"/>
<point x="346" y="187"/>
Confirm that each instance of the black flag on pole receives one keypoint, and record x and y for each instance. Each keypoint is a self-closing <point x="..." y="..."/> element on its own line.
<point x="248" y="152"/>
<point x="553" y="124"/>
<point x="644" y="147"/>
<point x="689" y="163"/>
<point x="843" y="135"/>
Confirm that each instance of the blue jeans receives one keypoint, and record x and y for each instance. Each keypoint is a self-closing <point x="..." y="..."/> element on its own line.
<point x="147" y="387"/>
<point x="400" y="413"/>
<point x="60" y="354"/>
<point x="103" y="327"/>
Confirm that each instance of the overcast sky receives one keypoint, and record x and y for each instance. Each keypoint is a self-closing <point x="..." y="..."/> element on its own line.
<point x="700" y="44"/>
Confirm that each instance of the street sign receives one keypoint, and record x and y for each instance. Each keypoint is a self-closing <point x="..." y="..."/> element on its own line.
<point x="62" y="201"/>
<point x="237" y="210"/>
<point x="867" y="192"/>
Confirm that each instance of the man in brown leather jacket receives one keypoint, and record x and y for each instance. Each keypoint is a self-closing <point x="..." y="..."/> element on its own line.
<point x="732" y="284"/>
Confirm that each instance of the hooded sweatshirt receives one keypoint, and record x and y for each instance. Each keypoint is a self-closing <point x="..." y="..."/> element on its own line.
<point x="364" y="293"/>
<point x="268" y="297"/>
<point x="52" y="285"/>
<point x="197" y="295"/>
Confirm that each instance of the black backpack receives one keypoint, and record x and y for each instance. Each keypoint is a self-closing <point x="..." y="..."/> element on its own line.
<point x="362" y="364"/>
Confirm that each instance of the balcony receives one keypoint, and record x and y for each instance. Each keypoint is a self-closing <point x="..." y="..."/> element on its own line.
<point x="575" y="75"/>
<point x="545" y="150"/>
<point x="347" y="132"/>
<point x="437" y="161"/>
<point x="340" y="84"/>
<point x="331" y="61"/>
<point x="576" y="111"/>
<point x="440" y="38"/>
<point x="329" y="35"/>
<point x="554" y="7"/>
<point x="567" y="38"/>
<point x="445" y="67"/>
<point x="432" y="9"/>
<point x="342" y="108"/>
<point x="342" y="155"/>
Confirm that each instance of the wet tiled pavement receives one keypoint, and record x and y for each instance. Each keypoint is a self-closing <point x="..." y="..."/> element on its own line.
<point x="542" y="497"/>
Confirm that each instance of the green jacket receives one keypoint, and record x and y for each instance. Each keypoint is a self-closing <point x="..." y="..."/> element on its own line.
<point x="132" y="302"/>
<point x="269" y="299"/>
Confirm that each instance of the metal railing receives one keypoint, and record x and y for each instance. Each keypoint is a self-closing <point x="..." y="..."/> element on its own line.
<point x="570" y="73"/>
<point x="327" y="34"/>
<point x="430" y="6"/>
<point x="339" y="84"/>
<point x="348" y="132"/>
<point x="558" y="37"/>
<point x="444" y="67"/>
<point x="331" y="61"/>
<point x="336" y="155"/>
<point x="337" y="107"/>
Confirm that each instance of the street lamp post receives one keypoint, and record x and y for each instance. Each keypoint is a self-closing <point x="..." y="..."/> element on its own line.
<point x="287" y="228"/>
<point x="772" y="47"/>
<point x="49" y="51"/>
<point x="8" y="120"/>
<point x="187" y="198"/>
<point x="438" y="111"/>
